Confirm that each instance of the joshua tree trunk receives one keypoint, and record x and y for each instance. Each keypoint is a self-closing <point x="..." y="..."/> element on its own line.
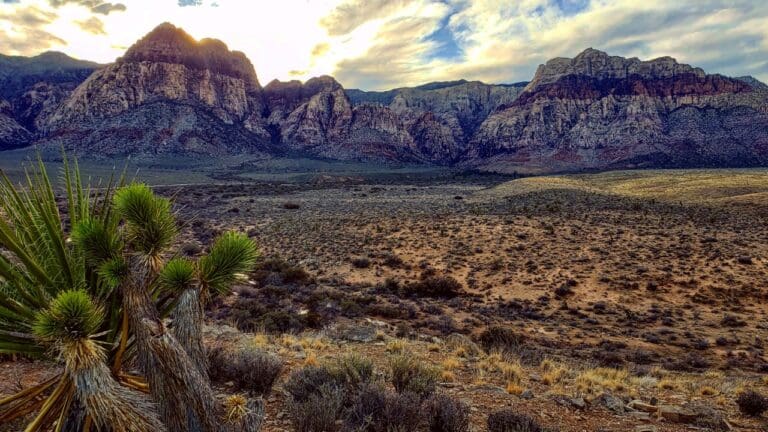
<point x="109" y="405"/>
<point x="188" y="327"/>
<point x="184" y="396"/>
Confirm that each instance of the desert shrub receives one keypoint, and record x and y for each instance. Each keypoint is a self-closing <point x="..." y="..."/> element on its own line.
<point x="752" y="403"/>
<point x="508" y="420"/>
<point x="317" y="412"/>
<point x="376" y="409"/>
<point x="409" y="375"/>
<point x="191" y="249"/>
<point x="392" y="260"/>
<point x="251" y="369"/>
<point x="457" y="341"/>
<point x="446" y="414"/>
<point x="353" y="371"/>
<point x="289" y="273"/>
<point x="291" y="205"/>
<point x="361" y="262"/>
<point x="310" y="381"/>
<point x="279" y="322"/>
<point x="500" y="338"/>
<point x="436" y="286"/>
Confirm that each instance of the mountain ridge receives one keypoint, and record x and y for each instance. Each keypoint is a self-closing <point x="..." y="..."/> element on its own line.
<point x="592" y="111"/>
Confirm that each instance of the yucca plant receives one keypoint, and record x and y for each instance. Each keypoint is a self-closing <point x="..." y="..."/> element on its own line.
<point x="90" y="287"/>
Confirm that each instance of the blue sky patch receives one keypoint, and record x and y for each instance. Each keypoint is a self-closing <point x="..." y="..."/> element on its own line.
<point x="448" y="48"/>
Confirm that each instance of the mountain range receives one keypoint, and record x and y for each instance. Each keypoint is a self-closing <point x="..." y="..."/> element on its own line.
<point x="172" y="94"/>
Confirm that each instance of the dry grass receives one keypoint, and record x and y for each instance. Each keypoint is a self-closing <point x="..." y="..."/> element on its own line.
<point x="699" y="186"/>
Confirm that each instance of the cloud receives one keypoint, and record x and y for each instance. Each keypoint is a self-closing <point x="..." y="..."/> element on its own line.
<point x="497" y="41"/>
<point x="352" y="14"/>
<point x="28" y="36"/>
<point x="96" y="6"/>
<point x="380" y="44"/>
<point x="320" y="49"/>
<point x="92" y="25"/>
<point x="29" y="17"/>
<point x="33" y="41"/>
<point x="107" y="8"/>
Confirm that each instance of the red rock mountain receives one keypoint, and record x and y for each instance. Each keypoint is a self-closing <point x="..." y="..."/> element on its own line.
<point x="172" y="94"/>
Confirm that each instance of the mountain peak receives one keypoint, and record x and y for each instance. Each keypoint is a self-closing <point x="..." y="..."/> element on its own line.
<point x="167" y="43"/>
<point x="599" y="64"/>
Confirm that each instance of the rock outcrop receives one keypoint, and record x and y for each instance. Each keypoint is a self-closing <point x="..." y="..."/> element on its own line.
<point x="12" y="134"/>
<point x="195" y="88"/>
<point x="596" y="112"/>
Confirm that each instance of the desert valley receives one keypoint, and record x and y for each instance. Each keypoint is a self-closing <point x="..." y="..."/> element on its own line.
<point x="584" y="251"/>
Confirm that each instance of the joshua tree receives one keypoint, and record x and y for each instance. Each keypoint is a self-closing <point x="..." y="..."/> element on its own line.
<point x="90" y="287"/>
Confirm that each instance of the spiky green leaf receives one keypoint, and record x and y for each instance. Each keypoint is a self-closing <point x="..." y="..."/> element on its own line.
<point x="177" y="275"/>
<point x="151" y="225"/>
<point x="72" y="315"/>
<point x="232" y="254"/>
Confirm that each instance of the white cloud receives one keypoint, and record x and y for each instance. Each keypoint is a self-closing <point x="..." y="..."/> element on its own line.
<point x="378" y="44"/>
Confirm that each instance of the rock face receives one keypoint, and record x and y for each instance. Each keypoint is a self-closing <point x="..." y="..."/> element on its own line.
<point x="197" y="96"/>
<point x="32" y="87"/>
<point x="12" y="134"/>
<point x="171" y="94"/>
<point x="596" y="112"/>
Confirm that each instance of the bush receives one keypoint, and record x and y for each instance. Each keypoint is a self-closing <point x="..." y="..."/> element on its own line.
<point x="752" y="403"/>
<point x="361" y="262"/>
<point x="353" y="371"/>
<point x="291" y="206"/>
<point x="507" y="420"/>
<point x="309" y="381"/>
<point x="252" y="370"/>
<point x="318" y="411"/>
<point x="375" y="409"/>
<point x="409" y="375"/>
<point x="500" y="338"/>
<point x="436" y="286"/>
<point x="288" y="272"/>
<point x="446" y="414"/>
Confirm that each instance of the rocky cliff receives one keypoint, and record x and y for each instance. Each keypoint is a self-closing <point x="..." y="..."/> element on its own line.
<point x="172" y="94"/>
<point x="32" y="87"/>
<point x="184" y="89"/>
<point x="596" y="111"/>
<point x="12" y="134"/>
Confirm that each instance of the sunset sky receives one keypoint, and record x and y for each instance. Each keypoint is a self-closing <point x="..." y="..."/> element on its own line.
<point x="381" y="44"/>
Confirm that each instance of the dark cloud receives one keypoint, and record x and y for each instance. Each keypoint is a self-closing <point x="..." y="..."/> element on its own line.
<point x="92" y="25"/>
<point x="184" y="3"/>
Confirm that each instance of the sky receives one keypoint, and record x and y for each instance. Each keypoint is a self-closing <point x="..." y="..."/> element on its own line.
<point x="383" y="44"/>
